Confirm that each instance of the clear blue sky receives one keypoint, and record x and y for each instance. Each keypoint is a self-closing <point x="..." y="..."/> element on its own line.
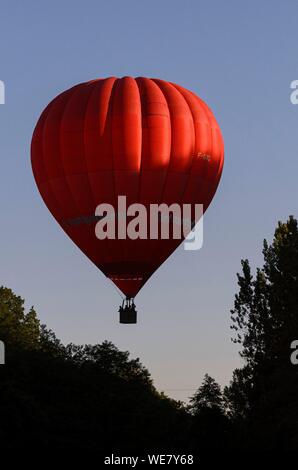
<point x="240" y="57"/>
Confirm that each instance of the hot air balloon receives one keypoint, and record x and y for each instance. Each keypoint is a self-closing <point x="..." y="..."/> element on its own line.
<point x="147" y="139"/>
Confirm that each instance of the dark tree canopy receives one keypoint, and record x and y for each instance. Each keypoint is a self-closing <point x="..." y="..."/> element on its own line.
<point x="263" y="394"/>
<point x="77" y="396"/>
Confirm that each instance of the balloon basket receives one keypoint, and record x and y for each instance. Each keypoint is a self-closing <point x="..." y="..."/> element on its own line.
<point x="127" y="312"/>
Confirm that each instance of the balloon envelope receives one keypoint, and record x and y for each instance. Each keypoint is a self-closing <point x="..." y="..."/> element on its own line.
<point x="148" y="139"/>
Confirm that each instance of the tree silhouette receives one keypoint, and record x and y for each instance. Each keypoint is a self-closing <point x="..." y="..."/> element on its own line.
<point x="90" y="397"/>
<point x="210" y="425"/>
<point x="207" y="397"/>
<point x="265" y="321"/>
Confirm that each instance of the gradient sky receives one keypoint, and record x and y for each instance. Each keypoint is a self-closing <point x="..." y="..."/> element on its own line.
<point x="240" y="57"/>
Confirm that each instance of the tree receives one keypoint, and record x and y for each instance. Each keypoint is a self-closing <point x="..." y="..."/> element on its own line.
<point x="207" y="397"/>
<point x="16" y="326"/>
<point x="210" y="427"/>
<point x="109" y="359"/>
<point x="265" y="321"/>
<point x="265" y="309"/>
<point x="78" y="396"/>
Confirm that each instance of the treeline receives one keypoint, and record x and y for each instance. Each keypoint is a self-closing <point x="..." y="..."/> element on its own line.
<point x="88" y="397"/>
<point x="97" y="397"/>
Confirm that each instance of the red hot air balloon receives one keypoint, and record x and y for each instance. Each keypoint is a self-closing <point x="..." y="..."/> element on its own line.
<point x="150" y="140"/>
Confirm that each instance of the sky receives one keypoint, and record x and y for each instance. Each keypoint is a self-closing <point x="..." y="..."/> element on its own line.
<point x="240" y="57"/>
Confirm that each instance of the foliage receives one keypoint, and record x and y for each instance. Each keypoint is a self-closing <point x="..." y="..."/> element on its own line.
<point x="265" y="321"/>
